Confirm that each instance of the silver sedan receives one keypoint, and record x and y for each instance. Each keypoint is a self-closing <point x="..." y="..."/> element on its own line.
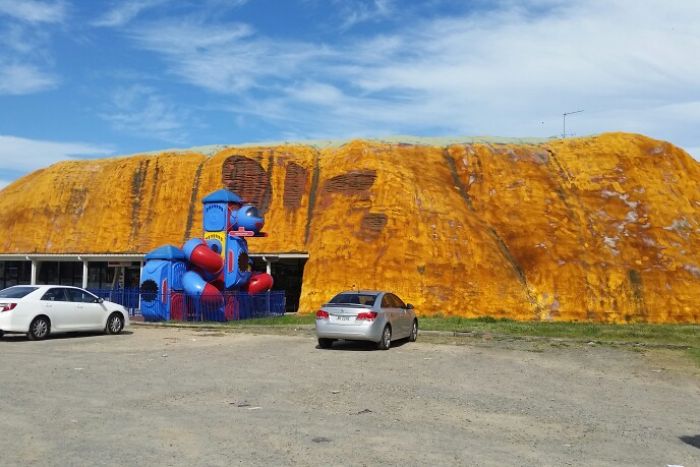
<point x="373" y="316"/>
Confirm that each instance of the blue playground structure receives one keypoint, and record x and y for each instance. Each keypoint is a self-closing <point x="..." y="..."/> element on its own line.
<point x="210" y="278"/>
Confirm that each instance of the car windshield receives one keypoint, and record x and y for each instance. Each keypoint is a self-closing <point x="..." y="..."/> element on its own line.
<point x="348" y="298"/>
<point x="17" y="292"/>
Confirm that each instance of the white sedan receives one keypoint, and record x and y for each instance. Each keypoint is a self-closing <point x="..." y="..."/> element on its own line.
<point x="40" y="310"/>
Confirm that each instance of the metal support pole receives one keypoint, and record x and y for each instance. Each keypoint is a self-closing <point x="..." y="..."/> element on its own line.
<point x="85" y="274"/>
<point x="35" y="266"/>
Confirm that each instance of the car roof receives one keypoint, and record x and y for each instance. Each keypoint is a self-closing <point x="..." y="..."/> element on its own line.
<point x="368" y="292"/>
<point x="45" y="286"/>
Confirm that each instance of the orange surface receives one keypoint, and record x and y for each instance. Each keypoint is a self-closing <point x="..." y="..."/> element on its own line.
<point x="602" y="229"/>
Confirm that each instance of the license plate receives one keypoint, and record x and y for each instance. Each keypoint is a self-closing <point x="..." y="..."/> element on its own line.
<point x="343" y="318"/>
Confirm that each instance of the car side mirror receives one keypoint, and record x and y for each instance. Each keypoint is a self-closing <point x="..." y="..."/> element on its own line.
<point x="409" y="306"/>
<point x="99" y="300"/>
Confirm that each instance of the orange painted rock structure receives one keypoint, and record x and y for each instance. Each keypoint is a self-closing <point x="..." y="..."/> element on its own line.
<point x="602" y="229"/>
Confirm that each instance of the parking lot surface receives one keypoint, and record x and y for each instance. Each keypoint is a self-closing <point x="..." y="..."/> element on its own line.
<point x="163" y="396"/>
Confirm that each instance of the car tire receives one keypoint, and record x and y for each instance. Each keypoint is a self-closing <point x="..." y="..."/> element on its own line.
<point x="414" y="331"/>
<point x="385" y="341"/>
<point x="2" y="333"/>
<point x="325" y="343"/>
<point x="115" y="323"/>
<point x="39" y="329"/>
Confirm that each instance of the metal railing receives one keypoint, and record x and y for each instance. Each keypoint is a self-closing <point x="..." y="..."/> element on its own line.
<point x="178" y="306"/>
<point x="128" y="298"/>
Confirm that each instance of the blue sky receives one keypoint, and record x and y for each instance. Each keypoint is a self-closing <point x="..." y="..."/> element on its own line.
<point x="82" y="78"/>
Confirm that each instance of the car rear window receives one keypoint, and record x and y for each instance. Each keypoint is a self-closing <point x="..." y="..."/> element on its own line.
<point x="354" y="299"/>
<point x="17" y="292"/>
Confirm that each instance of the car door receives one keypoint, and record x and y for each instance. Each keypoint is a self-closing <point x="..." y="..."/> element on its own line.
<point x="403" y="316"/>
<point x="89" y="313"/>
<point x="55" y="305"/>
<point x="389" y="310"/>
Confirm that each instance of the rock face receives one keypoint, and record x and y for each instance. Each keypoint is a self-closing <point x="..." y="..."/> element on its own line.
<point x="602" y="229"/>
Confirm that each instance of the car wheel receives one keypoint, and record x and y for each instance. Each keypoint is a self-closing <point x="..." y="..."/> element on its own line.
<point x="325" y="343"/>
<point x="39" y="328"/>
<point x="115" y="323"/>
<point x="414" y="331"/>
<point x="385" y="342"/>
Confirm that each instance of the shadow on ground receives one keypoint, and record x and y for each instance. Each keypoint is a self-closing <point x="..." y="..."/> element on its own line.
<point x="68" y="335"/>
<point x="691" y="440"/>
<point x="361" y="345"/>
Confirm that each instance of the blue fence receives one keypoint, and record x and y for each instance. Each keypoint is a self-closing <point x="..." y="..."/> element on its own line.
<point x="228" y="306"/>
<point x="128" y="298"/>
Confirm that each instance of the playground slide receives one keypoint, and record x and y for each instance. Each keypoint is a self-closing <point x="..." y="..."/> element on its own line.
<point x="198" y="253"/>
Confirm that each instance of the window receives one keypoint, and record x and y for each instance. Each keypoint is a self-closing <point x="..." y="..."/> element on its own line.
<point x="16" y="292"/>
<point x="78" y="295"/>
<point x="398" y="303"/>
<point x="14" y="273"/>
<point x="387" y="302"/>
<point x="100" y="275"/>
<point x="56" y="295"/>
<point x="354" y="299"/>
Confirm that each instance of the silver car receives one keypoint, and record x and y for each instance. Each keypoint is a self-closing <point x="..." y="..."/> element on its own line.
<point x="373" y="316"/>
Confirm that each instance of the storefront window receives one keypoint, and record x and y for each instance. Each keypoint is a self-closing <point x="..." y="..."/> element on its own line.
<point x="14" y="273"/>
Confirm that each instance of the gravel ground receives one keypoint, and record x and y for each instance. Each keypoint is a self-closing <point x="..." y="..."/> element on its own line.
<point x="163" y="396"/>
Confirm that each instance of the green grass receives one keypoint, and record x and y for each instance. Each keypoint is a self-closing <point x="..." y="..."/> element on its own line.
<point x="683" y="335"/>
<point x="662" y="334"/>
<point x="277" y="321"/>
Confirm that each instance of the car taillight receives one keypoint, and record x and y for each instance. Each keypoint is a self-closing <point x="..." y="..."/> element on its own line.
<point x="7" y="306"/>
<point x="320" y="314"/>
<point x="369" y="316"/>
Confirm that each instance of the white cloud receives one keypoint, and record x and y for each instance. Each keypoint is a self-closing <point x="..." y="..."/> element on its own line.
<point x="355" y="12"/>
<point x="512" y="70"/>
<point x="126" y="11"/>
<point x="140" y="110"/>
<point x="20" y="78"/>
<point x="33" y="11"/>
<point x="24" y="155"/>
<point x="24" y="45"/>
<point x="222" y="58"/>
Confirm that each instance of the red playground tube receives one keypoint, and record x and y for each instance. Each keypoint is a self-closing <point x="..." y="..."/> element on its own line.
<point x="259" y="282"/>
<point x="199" y="254"/>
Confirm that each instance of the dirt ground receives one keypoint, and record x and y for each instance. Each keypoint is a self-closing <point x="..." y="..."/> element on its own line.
<point x="181" y="397"/>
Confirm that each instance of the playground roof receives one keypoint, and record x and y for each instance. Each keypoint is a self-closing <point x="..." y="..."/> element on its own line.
<point x="222" y="196"/>
<point x="166" y="252"/>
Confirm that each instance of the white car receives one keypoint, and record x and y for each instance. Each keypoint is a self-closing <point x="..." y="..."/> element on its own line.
<point x="40" y="310"/>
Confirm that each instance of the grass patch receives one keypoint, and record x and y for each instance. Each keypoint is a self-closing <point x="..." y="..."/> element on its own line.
<point x="289" y="320"/>
<point x="676" y="335"/>
<point x="662" y="334"/>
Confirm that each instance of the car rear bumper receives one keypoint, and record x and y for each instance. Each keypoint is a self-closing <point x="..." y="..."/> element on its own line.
<point x="364" y="331"/>
<point x="8" y="324"/>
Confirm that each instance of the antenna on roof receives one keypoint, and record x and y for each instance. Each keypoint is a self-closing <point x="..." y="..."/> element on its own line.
<point x="563" y="133"/>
